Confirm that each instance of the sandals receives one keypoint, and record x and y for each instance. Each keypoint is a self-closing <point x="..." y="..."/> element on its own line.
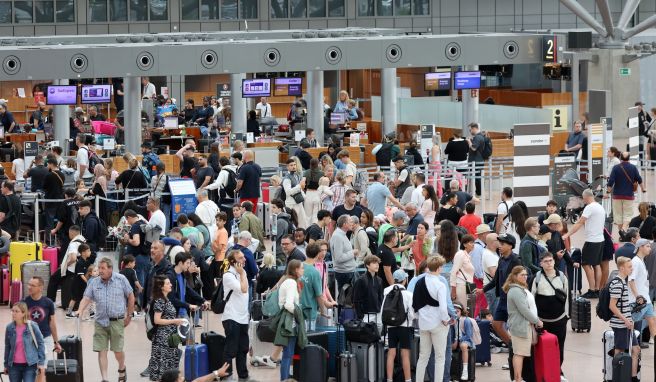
<point x="123" y="378"/>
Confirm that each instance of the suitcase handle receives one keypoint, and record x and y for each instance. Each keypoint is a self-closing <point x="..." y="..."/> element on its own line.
<point x="54" y="363"/>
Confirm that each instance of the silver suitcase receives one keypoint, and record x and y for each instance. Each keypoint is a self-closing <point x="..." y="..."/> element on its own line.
<point x="609" y="345"/>
<point x="370" y="361"/>
<point x="264" y="214"/>
<point x="259" y="349"/>
<point x="35" y="268"/>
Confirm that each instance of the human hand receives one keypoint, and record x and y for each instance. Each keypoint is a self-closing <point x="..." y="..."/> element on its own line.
<point x="478" y="291"/>
<point x="193" y="307"/>
<point x="206" y="305"/>
<point x="629" y="323"/>
<point x="179" y="321"/>
<point x="223" y="370"/>
<point x="240" y="268"/>
<point x="53" y="231"/>
<point x="445" y="323"/>
<point x="577" y="265"/>
<point x="560" y="253"/>
<point x="127" y="320"/>
<point x="539" y="324"/>
<point x="58" y="347"/>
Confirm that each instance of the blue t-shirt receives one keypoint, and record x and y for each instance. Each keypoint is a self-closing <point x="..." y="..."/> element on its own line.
<point x="182" y="286"/>
<point x="40" y="312"/>
<point x="377" y="194"/>
<point x="250" y="173"/>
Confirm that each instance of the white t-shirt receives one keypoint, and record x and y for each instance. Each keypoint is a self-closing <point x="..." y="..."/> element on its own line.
<point x="502" y="210"/>
<point x="490" y="259"/>
<point x="19" y="164"/>
<point x="149" y="90"/>
<point x="159" y="219"/>
<point x="595" y="216"/>
<point x="83" y="159"/>
<point x="403" y="175"/>
<point x="351" y="170"/>
<point x="236" y="308"/>
<point x="72" y="248"/>
<point x="641" y="278"/>
<point x="265" y="110"/>
<point x="207" y="211"/>
<point x="418" y="196"/>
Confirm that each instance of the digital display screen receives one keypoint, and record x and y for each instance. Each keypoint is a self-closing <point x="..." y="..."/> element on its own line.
<point x="437" y="81"/>
<point x="260" y="87"/>
<point x="468" y="80"/>
<point x="61" y="95"/>
<point x="291" y="86"/>
<point x="96" y="93"/>
<point x="338" y="118"/>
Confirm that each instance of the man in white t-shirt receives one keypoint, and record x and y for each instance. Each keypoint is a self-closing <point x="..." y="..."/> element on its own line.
<point x="593" y="218"/>
<point x="206" y="211"/>
<point x="417" y="195"/>
<point x="503" y="218"/>
<point x="264" y="108"/>
<point x="639" y="286"/>
<point x="148" y="88"/>
<point x="157" y="217"/>
<point x="236" y="316"/>
<point x="490" y="263"/>
<point x="82" y="158"/>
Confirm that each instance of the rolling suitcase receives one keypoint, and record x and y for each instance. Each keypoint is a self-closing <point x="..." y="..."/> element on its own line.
<point x="265" y="217"/>
<point x="63" y="370"/>
<point x="22" y="252"/>
<point x="196" y="362"/>
<point x="313" y="364"/>
<point x="51" y="254"/>
<point x="32" y="269"/>
<point x="4" y="286"/>
<point x="72" y="347"/>
<point x="347" y="368"/>
<point x="214" y="342"/>
<point x="370" y="359"/>
<point x="546" y="358"/>
<point x="608" y="340"/>
<point x="15" y="292"/>
<point x="259" y="348"/>
<point x="336" y="345"/>
<point x="483" y="355"/>
<point x="623" y="365"/>
<point x="581" y="311"/>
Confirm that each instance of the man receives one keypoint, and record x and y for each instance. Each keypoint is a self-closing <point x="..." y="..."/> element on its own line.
<point x="206" y="211"/>
<point x="360" y="240"/>
<point x="204" y="174"/>
<point x="630" y="239"/>
<point x="350" y="169"/>
<point x="204" y="113"/>
<point x="593" y="218"/>
<point x="6" y="120"/>
<point x="378" y="194"/>
<point x="250" y="222"/>
<point x="310" y="137"/>
<point x="38" y="117"/>
<point x="490" y="261"/>
<point x="415" y="218"/>
<point x="119" y="93"/>
<point x="237" y="158"/>
<point x="134" y="241"/>
<point x="53" y="187"/>
<point x="114" y="300"/>
<point x="463" y="197"/>
<point x="243" y="242"/>
<point x="503" y="208"/>
<point x="417" y="195"/>
<point x="235" y="316"/>
<point x="157" y="217"/>
<point x="264" y="108"/>
<point x="303" y="156"/>
<point x="312" y="300"/>
<point x="551" y="208"/>
<point x="299" y="240"/>
<point x="482" y="231"/>
<point x="556" y="245"/>
<point x="402" y="181"/>
<point x="349" y="207"/>
<point x="187" y="160"/>
<point x="402" y="335"/>
<point x="42" y="311"/>
<point x="621" y="183"/>
<point x="148" y="89"/>
<point x="227" y="172"/>
<point x="476" y="146"/>
<point x="149" y="160"/>
<point x="316" y="231"/>
<point x="65" y="216"/>
<point x="76" y="123"/>
<point x="507" y="262"/>
<point x="621" y="322"/>
<point x="387" y="259"/>
<point x="82" y="157"/>
<point x="95" y="116"/>
<point x="248" y="180"/>
<point x="289" y="249"/>
<point x="449" y="211"/>
<point x="10" y="211"/>
<point x="368" y="291"/>
<point x="294" y="184"/>
<point x="183" y="297"/>
<point x="470" y="221"/>
<point x="343" y="253"/>
<point x="90" y="224"/>
<point x="639" y="286"/>
<point x="644" y="122"/>
<point x="575" y="139"/>
<point x="38" y="173"/>
<point x="66" y="273"/>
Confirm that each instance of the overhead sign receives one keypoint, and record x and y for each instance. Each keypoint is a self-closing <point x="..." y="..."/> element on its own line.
<point x="559" y="118"/>
<point x="549" y="49"/>
<point x="223" y="90"/>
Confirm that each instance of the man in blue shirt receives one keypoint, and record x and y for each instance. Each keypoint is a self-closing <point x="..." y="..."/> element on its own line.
<point x="575" y="139"/>
<point x="415" y="218"/>
<point x="378" y="194"/>
<point x="42" y="311"/>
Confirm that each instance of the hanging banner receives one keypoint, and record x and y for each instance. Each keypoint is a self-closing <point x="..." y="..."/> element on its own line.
<point x="183" y="197"/>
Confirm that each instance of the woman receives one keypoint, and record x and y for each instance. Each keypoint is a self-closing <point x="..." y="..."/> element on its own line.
<point x="99" y="188"/>
<point x="414" y="151"/>
<point x="522" y="314"/>
<point x="516" y="225"/>
<point x="252" y="125"/>
<point x="276" y="186"/>
<point x="436" y="165"/>
<point x="613" y="155"/>
<point x="288" y="301"/>
<point x="326" y="160"/>
<point x="18" y="164"/>
<point x="644" y="221"/>
<point x="312" y="200"/>
<point x="25" y="352"/>
<point x="456" y="151"/>
<point x="213" y="160"/>
<point x="429" y="206"/>
<point x="342" y="105"/>
<point x="322" y="267"/>
<point x="162" y="356"/>
<point x="367" y="219"/>
<point x="550" y="288"/>
<point x="529" y="248"/>
<point x="194" y="221"/>
<point x="159" y="185"/>
<point x="339" y="188"/>
<point x="462" y="272"/>
<point x="269" y="275"/>
<point x="447" y="246"/>
<point x="132" y="178"/>
<point x="422" y="245"/>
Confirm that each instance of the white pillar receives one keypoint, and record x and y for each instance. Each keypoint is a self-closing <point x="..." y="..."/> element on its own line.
<point x="237" y="104"/>
<point x="62" y="124"/>
<point x="388" y="92"/>
<point x="469" y="104"/>
<point x="315" y="103"/>
<point x="132" y="114"/>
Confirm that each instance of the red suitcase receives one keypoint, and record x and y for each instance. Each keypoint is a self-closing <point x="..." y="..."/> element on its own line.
<point x="51" y="254"/>
<point x="546" y="358"/>
<point x="15" y="292"/>
<point x="4" y="296"/>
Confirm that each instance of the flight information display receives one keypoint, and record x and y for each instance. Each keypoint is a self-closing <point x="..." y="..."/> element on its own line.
<point x="437" y="81"/>
<point x="260" y="87"/>
<point x="468" y="80"/>
<point x="61" y="95"/>
<point x="96" y="93"/>
<point x="288" y="86"/>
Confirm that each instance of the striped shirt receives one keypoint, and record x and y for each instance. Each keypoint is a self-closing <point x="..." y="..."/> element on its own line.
<point x="111" y="297"/>
<point x="620" y="290"/>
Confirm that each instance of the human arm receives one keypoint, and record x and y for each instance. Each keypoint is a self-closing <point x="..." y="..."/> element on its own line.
<point x="518" y="297"/>
<point x="182" y="150"/>
<point x="455" y="270"/>
<point x="575" y="227"/>
<point x="53" y="330"/>
<point x="86" y="300"/>
<point x="211" y="377"/>
<point x="616" y="311"/>
<point x="162" y="321"/>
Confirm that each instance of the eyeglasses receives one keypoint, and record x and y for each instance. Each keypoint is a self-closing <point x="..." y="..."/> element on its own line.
<point x="548" y="260"/>
<point x="524" y="274"/>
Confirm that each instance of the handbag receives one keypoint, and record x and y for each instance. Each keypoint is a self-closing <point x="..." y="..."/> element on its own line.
<point x="558" y="293"/>
<point x="270" y="307"/>
<point x="635" y="182"/>
<point x="264" y="331"/>
<point x="298" y="198"/>
<point x="534" y="335"/>
<point x="469" y="287"/>
<point x="361" y="332"/>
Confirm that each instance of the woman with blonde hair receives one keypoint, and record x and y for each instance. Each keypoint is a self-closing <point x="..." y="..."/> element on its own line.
<point x="644" y="222"/>
<point x="109" y="167"/>
<point x="25" y="351"/>
<point x="342" y="105"/>
<point x="522" y="317"/>
<point x="132" y="178"/>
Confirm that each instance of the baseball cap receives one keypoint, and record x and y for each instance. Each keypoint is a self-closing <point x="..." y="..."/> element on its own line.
<point x="399" y="275"/>
<point x="553" y="218"/>
<point x="508" y="239"/>
<point x="639" y="103"/>
<point x="638" y="244"/>
<point x="482" y="228"/>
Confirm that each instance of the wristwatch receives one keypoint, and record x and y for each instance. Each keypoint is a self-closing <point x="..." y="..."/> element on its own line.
<point x="216" y="374"/>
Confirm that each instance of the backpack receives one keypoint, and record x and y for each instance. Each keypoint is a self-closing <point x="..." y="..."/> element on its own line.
<point x="345" y="296"/>
<point x="384" y="155"/>
<point x="146" y="174"/>
<point x="394" y="312"/>
<point x="94" y="159"/>
<point x="231" y="184"/>
<point x="102" y="233"/>
<point x="219" y="301"/>
<point x="373" y="242"/>
<point x="486" y="152"/>
<point x="151" y="160"/>
<point x="603" y="306"/>
<point x="360" y="181"/>
<point x="150" y="324"/>
<point x="476" y="331"/>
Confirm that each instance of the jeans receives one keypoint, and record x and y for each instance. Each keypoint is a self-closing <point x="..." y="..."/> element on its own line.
<point x="343" y="278"/>
<point x="236" y="346"/>
<point x="142" y="268"/>
<point x="435" y="339"/>
<point x="286" y="361"/>
<point x="492" y="300"/>
<point x="22" y="373"/>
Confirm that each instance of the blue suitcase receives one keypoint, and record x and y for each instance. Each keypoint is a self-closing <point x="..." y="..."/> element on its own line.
<point x="483" y="355"/>
<point x="196" y="361"/>
<point x="336" y="345"/>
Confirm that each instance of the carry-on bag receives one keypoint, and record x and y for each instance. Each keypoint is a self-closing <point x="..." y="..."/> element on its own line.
<point x="72" y="348"/>
<point x="581" y="311"/>
<point x="623" y="364"/>
<point x="22" y="252"/>
<point x="483" y="355"/>
<point x="63" y="370"/>
<point x="51" y="254"/>
<point x="196" y="361"/>
<point x="608" y="340"/>
<point x="546" y="357"/>
<point x="347" y="368"/>
<point x="456" y="361"/>
<point x="370" y="358"/>
<point x="313" y="364"/>
<point x="361" y="331"/>
<point x="214" y="342"/>
<point x="259" y="349"/>
<point x="15" y="292"/>
<point x="32" y="269"/>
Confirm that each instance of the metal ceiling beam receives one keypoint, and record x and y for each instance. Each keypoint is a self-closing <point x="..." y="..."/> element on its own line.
<point x="606" y="16"/>
<point x="628" y="11"/>
<point x="250" y="56"/>
<point x="643" y="26"/>
<point x="584" y="15"/>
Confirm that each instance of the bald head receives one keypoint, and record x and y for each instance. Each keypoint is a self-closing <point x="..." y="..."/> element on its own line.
<point x="249" y="156"/>
<point x="492" y="241"/>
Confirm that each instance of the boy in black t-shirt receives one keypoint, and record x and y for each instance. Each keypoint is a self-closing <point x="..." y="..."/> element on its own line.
<point x="387" y="259"/>
<point x="127" y="264"/>
<point x="81" y="278"/>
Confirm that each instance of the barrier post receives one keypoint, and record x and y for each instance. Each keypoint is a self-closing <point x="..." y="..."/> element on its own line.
<point x="36" y="219"/>
<point x="97" y="205"/>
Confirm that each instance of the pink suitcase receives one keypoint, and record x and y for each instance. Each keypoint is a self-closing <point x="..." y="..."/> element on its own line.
<point x="546" y="358"/>
<point x="51" y="254"/>
<point x="102" y="127"/>
<point x="4" y="296"/>
<point x="15" y="292"/>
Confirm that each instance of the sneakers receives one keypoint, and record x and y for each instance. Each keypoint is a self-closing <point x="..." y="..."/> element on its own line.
<point x="465" y="375"/>
<point x="70" y="315"/>
<point x="145" y="373"/>
<point x="266" y="361"/>
<point x="495" y="350"/>
<point x="505" y="367"/>
<point x="591" y="294"/>
<point x="563" y="379"/>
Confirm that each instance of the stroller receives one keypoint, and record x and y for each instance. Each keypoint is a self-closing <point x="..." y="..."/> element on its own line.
<point x="574" y="208"/>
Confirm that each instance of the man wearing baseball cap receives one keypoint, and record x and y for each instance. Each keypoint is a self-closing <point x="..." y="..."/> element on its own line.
<point x="507" y="262"/>
<point x="639" y="286"/>
<point x="400" y="336"/>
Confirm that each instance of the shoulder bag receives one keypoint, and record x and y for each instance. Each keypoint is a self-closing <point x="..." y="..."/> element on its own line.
<point x="635" y="182"/>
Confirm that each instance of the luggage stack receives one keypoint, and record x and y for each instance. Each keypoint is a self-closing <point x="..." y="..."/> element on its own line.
<point x="35" y="268"/>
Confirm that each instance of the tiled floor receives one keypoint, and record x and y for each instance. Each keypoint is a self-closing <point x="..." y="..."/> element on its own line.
<point x="583" y="351"/>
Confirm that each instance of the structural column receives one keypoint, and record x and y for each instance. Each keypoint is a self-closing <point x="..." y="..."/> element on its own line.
<point x="315" y="103"/>
<point x="132" y="114"/>
<point x="62" y="116"/>
<point x="469" y="104"/>
<point x="177" y="89"/>
<point x="237" y="104"/>
<point x="388" y="99"/>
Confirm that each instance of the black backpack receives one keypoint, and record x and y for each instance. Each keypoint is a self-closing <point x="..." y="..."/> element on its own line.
<point x="373" y="242"/>
<point x="384" y="155"/>
<point x="345" y="296"/>
<point x="218" y="299"/>
<point x="486" y="152"/>
<point x="603" y="305"/>
<point x="231" y="185"/>
<point x="421" y="297"/>
<point x="394" y="312"/>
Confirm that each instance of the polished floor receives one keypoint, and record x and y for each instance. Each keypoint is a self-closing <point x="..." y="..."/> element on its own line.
<point x="583" y="351"/>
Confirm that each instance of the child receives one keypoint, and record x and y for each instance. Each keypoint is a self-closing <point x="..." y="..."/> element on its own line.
<point x="127" y="264"/>
<point x="81" y="278"/>
<point x="401" y="336"/>
<point x="326" y="194"/>
<point x="463" y="340"/>
<point x="92" y="272"/>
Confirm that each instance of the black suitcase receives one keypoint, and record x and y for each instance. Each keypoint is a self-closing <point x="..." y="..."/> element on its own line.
<point x="622" y="367"/>
<point x="313" y="364"/>
<point x="581" y="311"/>
<point x="456" y="365"/>
<point x="63" y="370"/>
<point x="215" y="343"/>
<point x="72" y="349"/>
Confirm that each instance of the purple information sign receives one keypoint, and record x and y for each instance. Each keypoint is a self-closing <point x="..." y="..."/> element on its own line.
<point x="256" y="88"/>
<point x="288" y="86"/>
<point x="468" y="80"/>
<point x="61" y="95"/>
